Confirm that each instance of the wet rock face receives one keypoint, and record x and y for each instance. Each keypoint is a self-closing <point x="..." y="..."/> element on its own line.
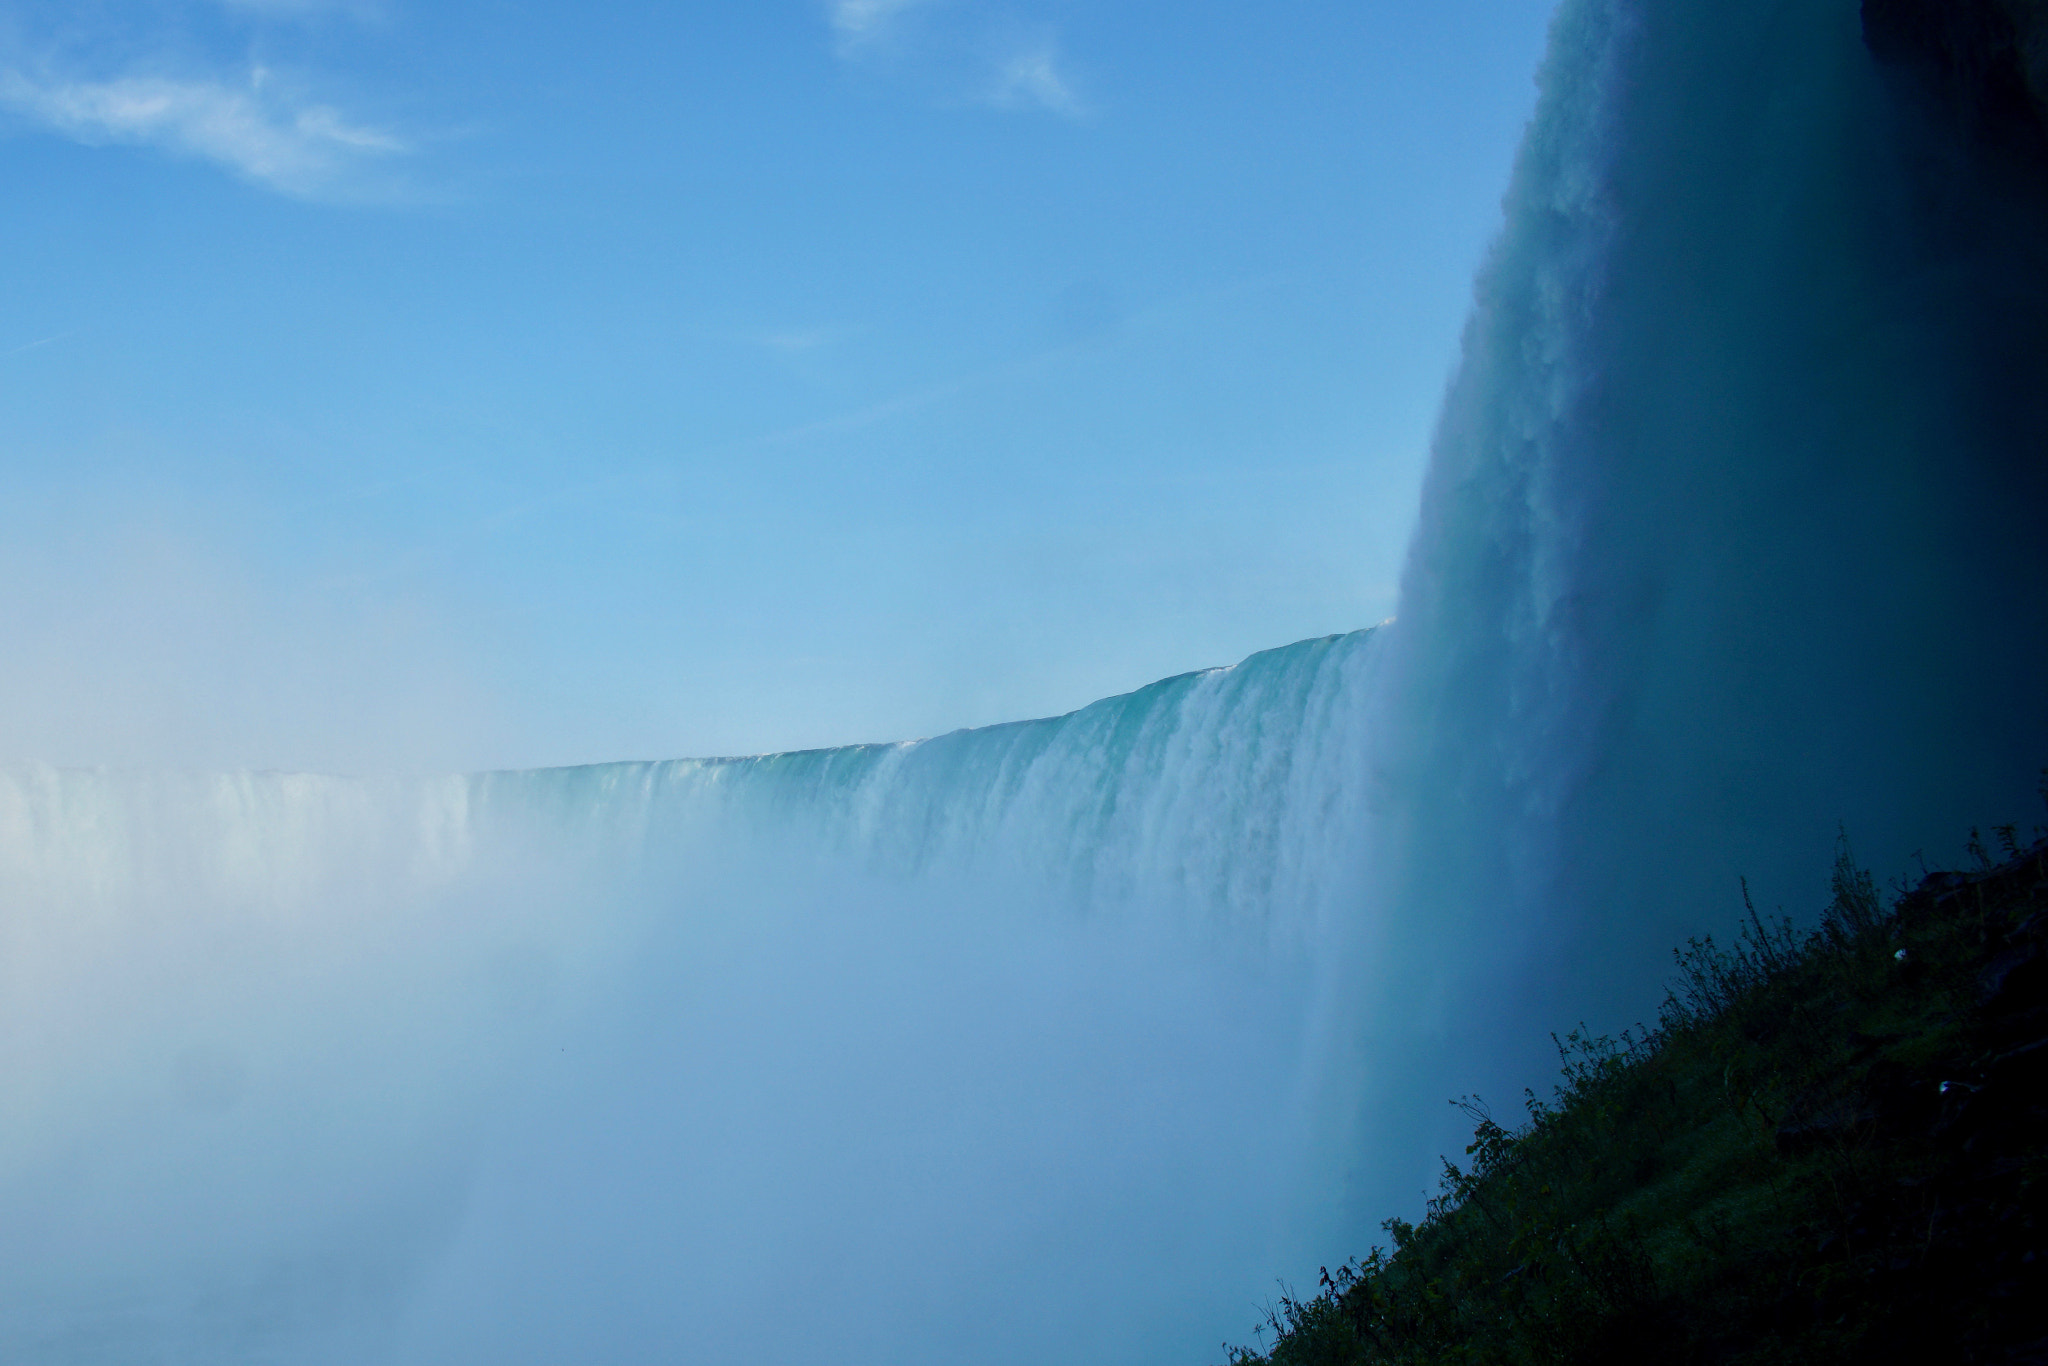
<point x="1983" y="63"/>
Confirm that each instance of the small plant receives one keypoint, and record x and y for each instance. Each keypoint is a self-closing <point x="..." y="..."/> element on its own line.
<point x="1823" y="1152"/>
<point x="1974" y="846"/>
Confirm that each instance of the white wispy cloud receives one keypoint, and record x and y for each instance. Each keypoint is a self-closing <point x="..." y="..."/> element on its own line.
<point x="857" y="21"/>
<point x="1031" y="78"/>
<point x="256" y="129"/>
<point x="960" y="52"/>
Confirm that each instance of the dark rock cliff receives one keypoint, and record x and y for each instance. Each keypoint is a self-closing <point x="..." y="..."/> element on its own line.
<point x="1983" y="64"/>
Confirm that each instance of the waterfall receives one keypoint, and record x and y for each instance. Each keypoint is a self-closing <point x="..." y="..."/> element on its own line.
<point x="869" y="1051"/>
<point x="1063" y="1038"/>
<point x="1731" y="535"/>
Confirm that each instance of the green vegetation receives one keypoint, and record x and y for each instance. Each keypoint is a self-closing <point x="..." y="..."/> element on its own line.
<point x="1830" y="1149"/>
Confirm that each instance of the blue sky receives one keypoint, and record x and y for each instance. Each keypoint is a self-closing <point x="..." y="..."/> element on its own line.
<point x="444" y="384"/>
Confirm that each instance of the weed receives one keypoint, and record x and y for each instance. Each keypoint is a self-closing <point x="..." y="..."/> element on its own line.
<point x="1828" y="1149"/>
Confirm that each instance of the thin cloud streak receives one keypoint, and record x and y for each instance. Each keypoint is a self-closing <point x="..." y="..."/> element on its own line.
<point x="791" y="340"/>
<point x="300" y="149"/>
<point x="38" y="343"/>
<point x="300" y="9"/>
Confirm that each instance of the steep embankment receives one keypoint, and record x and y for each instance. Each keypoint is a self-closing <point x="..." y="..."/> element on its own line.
<point x="1830" y="1149"/>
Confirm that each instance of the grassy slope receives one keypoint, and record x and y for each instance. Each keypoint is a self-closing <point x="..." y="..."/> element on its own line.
<point x="1830" y="1149"/>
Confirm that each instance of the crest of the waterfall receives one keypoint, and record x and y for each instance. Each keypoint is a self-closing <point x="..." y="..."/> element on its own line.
<point x="1221" y="800"/>
<point x="1732" y="529"/>
<point x="853" y="1051"/>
